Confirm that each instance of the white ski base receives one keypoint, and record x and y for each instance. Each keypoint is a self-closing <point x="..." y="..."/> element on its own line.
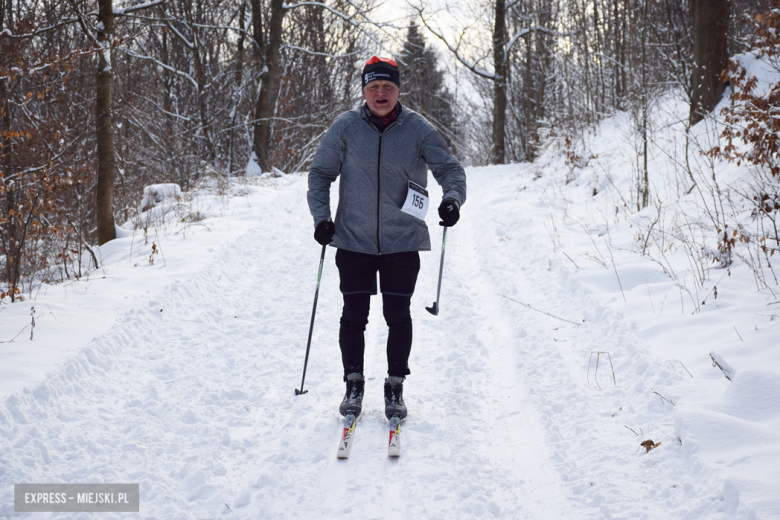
<point x="394" y="441"/>
<point x="347" y="435"/>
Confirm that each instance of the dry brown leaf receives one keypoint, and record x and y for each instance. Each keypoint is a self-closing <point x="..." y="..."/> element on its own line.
<point x="649" y="445"/>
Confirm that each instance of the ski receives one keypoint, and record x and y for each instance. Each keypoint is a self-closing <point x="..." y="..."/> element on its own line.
<point x="394" y="442"/>
<point x="347" y="435"/>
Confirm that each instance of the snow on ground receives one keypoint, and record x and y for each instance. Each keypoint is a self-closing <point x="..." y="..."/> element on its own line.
<point x="559" y="348"/>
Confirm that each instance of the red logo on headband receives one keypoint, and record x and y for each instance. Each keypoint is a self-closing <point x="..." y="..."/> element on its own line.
<point x="377" y="59"/>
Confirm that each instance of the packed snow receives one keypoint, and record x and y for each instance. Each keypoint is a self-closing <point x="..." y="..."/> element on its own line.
<point x="559" y="348"/>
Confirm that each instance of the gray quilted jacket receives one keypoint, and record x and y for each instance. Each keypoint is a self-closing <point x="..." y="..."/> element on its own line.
<point x="374" y="172"/>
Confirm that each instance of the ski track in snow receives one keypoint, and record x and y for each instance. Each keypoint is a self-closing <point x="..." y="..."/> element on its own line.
<point x="192" y="395"/>
<point x="585" y="431"/>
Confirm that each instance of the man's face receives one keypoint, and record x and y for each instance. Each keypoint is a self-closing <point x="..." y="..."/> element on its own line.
<point x="381" y="97"/>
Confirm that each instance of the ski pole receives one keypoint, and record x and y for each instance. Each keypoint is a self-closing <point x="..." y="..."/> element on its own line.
<point x="434" y="309"/>
<point x="311" y="325"/>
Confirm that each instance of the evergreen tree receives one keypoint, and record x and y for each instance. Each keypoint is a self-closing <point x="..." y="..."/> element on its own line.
<point x="423" y="89"/>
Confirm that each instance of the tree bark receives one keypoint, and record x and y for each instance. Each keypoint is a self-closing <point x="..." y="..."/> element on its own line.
<point x="710" y="28"/>
<point x="498" y="155"/>
<point x="104" y="126"/>
<point x="645" y="184"/>
<point x="265" y="105"/>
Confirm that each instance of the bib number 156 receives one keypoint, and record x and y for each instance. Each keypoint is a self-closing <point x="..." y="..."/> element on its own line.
<point x="416" y="203"/>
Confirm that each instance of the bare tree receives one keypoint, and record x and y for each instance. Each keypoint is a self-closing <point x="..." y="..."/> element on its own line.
<point x="352" y="15"/>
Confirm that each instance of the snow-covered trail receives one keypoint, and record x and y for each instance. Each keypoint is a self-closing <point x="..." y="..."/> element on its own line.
<point x="192" y="395"/>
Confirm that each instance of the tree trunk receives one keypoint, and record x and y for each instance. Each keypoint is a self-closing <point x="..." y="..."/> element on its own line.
<point x="104" y="126"/>
<point x="528" y="99"/>
<point x="499" y="97"/>
<point x="645" y="184"/>
<point x="8" y="232"/>
<point x="237" y="88"/>
<point x="710" y="28"/>
<point x="265" y="106"/>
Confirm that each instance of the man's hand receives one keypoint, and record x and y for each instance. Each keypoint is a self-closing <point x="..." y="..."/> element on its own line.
<point x="324" y="232"/>
<point x="449" y="212"/>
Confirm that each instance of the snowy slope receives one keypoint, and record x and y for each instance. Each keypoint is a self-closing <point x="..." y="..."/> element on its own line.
<point x="180" y="374"/>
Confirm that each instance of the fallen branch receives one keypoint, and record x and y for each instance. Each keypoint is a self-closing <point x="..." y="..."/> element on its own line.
<point x="662" y="397"/>
<point x="537" y="310"/>
<point x="719" y="362"/>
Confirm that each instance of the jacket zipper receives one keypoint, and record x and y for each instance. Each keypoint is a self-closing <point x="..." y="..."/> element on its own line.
<point x="379" y="181"/>
<point x="378" y="190"/>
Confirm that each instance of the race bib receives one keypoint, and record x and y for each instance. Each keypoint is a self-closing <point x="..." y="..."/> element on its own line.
<point x="416" y="203"/>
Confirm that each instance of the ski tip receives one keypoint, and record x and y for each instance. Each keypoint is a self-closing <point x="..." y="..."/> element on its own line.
<point x="345" y="445"/>
<point x="394" y="444"/>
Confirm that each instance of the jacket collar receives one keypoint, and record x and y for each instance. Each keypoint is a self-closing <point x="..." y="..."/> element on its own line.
<point x="401" y="116"/>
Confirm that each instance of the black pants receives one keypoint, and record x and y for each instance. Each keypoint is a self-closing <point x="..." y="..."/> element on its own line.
<point x="397" y="278"/>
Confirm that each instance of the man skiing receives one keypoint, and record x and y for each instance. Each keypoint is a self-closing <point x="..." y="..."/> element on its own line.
<point x="382" y="151"/>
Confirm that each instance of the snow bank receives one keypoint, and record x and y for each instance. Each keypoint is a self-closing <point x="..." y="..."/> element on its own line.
<point x="156" y="194"/>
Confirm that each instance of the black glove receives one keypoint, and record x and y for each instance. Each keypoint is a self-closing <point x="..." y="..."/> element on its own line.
<point x="324" y="232"/>
<point x="449" y="212"/>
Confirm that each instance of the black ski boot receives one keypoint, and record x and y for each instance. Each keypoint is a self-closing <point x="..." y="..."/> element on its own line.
<point x="394" y="397"/>
<point x="353" y="399"/>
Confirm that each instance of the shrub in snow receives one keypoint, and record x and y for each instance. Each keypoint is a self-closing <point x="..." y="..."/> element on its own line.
<point x="156" y="194"/>
<point x="751" y="132"/>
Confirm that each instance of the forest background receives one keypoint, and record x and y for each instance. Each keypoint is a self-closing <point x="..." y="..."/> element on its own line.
<point x="101" y="99"/>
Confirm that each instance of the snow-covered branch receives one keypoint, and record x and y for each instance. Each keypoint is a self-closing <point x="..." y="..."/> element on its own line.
<point x="325" y="6"/>
<point x="307" y="51"/>
<point x="514" y="39"/>
<point x="179" y="35"/>
<point x="133" y="8"/>
<point x="455" y="49"/>
<point x="8" y="34"/>
<point x="349" y="19"/>
<point x="160" y="64"/>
